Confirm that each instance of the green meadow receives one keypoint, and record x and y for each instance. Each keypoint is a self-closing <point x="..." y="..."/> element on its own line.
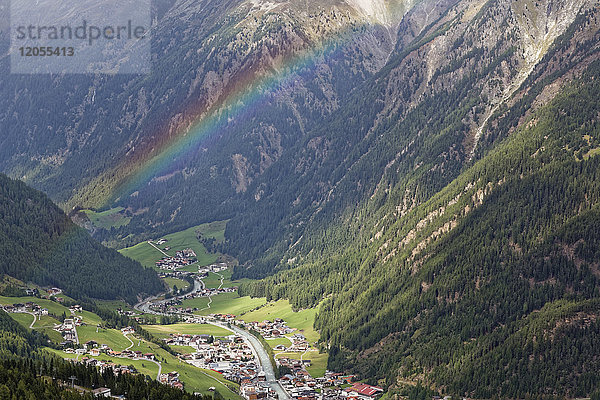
<point x="194" y="379"/>
<point x="22" y="318"/>
<point x="302" y="320"/>
<point x="147" y="255"/>
<point x="180" y="283"/>
<point x="276" y="342"/>
<point x="52" y="306"/>
<point x="108" y="219"/>
<point x="111" y="337"/>
<point x="318" y="361"/>
<point x="144" y="253"/>
<point x="226" y="303"/>
<point x="163" y="331"/>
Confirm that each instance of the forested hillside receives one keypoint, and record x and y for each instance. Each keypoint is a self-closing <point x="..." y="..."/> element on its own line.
<point x="411" y="129"/>
<point x="39" y="243"/>
<point x="428" y="177"/>
<point x="27" y="372"/>
<point x="491" y="287"/>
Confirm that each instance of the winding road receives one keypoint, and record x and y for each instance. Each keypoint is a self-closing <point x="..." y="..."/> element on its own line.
<point x="145" y="359"/>
<point x="259" y="351"/>
<point x="262" y="355"/>
<point x="34" y="319"/>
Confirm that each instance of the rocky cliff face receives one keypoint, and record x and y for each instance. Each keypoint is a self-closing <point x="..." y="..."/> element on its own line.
<point x="206" y="54"/>
<point x="418" y="122"/>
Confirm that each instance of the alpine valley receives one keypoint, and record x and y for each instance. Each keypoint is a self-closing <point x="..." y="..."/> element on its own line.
<point x="413" y="185"/>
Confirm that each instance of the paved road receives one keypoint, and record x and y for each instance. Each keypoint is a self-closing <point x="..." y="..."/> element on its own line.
<point x="130" y="341"/>
<point x="144" y="305"/>
<point x="263" y="358"/>
<point x="156" y="247"/>
<point x="259" y="350"/>
<point x="34" y="319"/>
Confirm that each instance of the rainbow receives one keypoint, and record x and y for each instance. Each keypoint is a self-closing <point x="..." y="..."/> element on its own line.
<point x="250" y="91"/>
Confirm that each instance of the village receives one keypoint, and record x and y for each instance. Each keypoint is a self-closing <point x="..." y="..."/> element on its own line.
<point x="182" y="258"/>
<point x="231" y="356"/>
<point x="297" y="381"/>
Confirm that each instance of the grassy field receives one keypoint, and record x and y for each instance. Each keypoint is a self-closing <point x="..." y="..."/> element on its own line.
<point x="183" y="349"/>
<point x="195" y="379"/>
<point x="144" y="253"/>
<point x="53" y="307"/>
<point x="275" y="342"/>
<point x="214" y="280"/>
<point x="22" y="318"/>
<point x="108" y="219"/>
<point x="163" y="331"/>
<point x="113" y="305"/>
<point x="143" y="367"/>
<point x="180" y="283"/>
<point x="148" y="255"/>
<point x="90" y="318"/>
<point x="111" y="337"/>
<point x="226" y="303"/>
<point x="44" y="325"/>
<point x="301" y="320"/>
<point x="318" y="361"/>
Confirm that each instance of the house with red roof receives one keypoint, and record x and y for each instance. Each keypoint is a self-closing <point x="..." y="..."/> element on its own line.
<point x="361" y="390"/>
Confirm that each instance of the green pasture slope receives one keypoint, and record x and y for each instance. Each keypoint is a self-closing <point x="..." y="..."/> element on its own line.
<point x="108" y="219"/>
<point x="147" y="255"/>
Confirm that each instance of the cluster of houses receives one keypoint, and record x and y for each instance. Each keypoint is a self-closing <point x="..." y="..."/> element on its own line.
<point x="94" y="349"/>
<point x="174" y="274"/>
<point x="75" y="309"/>
<point x="102" y="365"/>
<point x="212" y="268"/>
<point x="186" y="253"/>
<point x="28" y="307"/>
<point x="54" y="291"/>
<point x="257" y="389"/>
<point x="270" y="329"/>
<point x="171" y="379"/>
<point x="67" y="330"/>
<point x="177" y="339"/>
<point x="182" y="258"/>
<point x="128" y="313"/>
<point x="298" y="383"/>
<point x="333" y="386"/>
<point x="172" y="305"/>
<point x="173" y="263"/>
<point x="231" y="356"/>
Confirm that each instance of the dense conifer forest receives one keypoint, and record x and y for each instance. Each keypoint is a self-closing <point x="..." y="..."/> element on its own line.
<point x="497" y="290"/>
<point x="38" y="243"/>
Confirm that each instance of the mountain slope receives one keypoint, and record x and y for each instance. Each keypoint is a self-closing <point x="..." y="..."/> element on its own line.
<point x="209" y="55"/>
<point x="489" y="288"/>
<point x="39" y="243"/>
<point x="405" y="133"/>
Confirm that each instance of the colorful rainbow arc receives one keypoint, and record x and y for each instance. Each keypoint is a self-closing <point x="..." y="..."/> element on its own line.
<point x="247" y="97"/>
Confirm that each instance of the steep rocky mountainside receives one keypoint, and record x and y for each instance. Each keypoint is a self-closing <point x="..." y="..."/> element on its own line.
<point x="426" y="171"/>
<point x="487" y="286"/>
<point x="408" y="131"/>
<point x="210" y="58"/>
